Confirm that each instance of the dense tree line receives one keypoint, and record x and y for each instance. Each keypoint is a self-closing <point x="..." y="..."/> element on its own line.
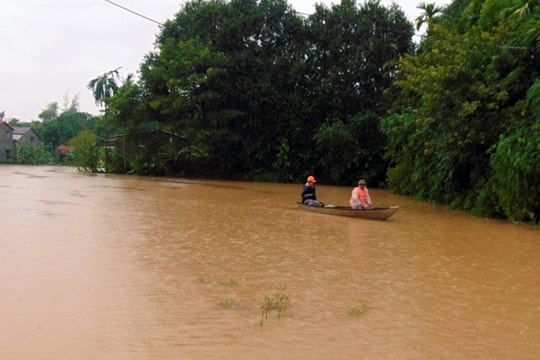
<point x="56" y="126"/>
<point x="252" y="89"/>
<point x="464" y="127"/>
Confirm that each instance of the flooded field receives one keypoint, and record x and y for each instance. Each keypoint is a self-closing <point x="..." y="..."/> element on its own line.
<point x="118" y="267"/>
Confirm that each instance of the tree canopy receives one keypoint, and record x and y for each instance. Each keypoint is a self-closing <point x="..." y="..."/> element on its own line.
<point x="251" y="89"/>
<point x="256" y="90"/>
<point x="463" y="128"/>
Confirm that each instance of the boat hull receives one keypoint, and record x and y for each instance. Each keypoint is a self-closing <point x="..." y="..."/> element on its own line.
<point x="377" y="213"/>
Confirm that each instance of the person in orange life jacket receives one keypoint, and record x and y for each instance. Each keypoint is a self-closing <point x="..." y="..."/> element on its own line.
<point x="360" y="196"/>
<point x="309" y="194"/>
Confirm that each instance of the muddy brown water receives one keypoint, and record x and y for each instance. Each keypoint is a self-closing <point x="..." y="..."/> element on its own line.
<point x="118" y="267"/>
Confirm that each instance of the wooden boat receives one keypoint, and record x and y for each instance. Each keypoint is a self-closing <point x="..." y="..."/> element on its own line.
<point x="377" y="213"/>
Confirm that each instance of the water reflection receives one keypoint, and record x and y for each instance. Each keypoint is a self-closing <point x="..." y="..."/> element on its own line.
<point x="115" y="267"/>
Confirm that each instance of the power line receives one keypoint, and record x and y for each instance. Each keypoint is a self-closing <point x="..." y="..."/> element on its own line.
<point x="134" y="12"/>
<point x="420" y="35"/>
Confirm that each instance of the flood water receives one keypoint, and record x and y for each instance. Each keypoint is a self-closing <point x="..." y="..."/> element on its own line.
<point x="118" y="267"/>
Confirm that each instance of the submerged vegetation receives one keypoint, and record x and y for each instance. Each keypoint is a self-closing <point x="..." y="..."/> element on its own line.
<point x="358" y="309"/>
<point x="278" y="302"/>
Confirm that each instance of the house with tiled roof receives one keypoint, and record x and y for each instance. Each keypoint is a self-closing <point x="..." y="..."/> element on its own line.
<point x="13" y="136"/>
<point x="25" y="136"/>
<point x="6" y="142"/>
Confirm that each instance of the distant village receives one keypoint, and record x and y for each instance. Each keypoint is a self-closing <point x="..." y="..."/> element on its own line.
<point x="12" y="137"/>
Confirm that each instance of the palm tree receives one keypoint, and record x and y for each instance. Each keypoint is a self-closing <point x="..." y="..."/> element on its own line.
<point x="104" y="86"/>
<point x="430" y="11"/>
<point x="521" y="11"/>
<point x="526" y="18"/>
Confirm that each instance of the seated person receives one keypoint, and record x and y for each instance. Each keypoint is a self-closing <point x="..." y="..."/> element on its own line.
<point x="360" y="196"/>
<point x="309" y="194"/>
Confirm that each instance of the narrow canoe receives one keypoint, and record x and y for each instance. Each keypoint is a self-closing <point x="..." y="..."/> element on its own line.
<point x="377" y="213"/>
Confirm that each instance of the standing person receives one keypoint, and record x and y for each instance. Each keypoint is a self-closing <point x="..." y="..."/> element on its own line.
<point x="360" y="196"/>
<point x="309" y="194"/>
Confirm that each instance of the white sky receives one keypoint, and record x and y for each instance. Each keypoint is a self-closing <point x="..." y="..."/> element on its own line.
<point x="51" y="49"/>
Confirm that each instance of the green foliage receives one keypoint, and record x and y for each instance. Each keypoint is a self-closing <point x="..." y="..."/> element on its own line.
<point x="50" y="112"/>
<point x="430" y="12"/>
<point x="358" y="309"/>
<point x="283" y="163"/>
<point x="352" y="150"/>
<point x="335" y="143"/>
<point x="517" y="175"/>
<point x="457" y="132"/>
<point x="408" y="148"/>
<point x="516" y="162"/>
<point x="104" y="86"/>
<point x="84" y="151"/>
<point x="227" y="303"/>
<point x="249" y="74"/>
<point x="250" y="88"/>
<point x="34" y="155"/>
<point x="279" y="302"/>
<point x="58" y="128"/>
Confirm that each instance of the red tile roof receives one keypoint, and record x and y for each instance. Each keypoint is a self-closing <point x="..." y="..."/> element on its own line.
<point x="63" y="149"/>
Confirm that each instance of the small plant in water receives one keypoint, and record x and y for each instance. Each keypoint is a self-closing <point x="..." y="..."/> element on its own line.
<point x="230" y="283"/>
<point x="202" y="280"/>
<point x="357" y="309"/>
<point x="279" y="301"/>
<point x="227" y="303"/>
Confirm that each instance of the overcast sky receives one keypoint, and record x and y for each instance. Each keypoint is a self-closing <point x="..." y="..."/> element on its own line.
<point x="51" y="49"/>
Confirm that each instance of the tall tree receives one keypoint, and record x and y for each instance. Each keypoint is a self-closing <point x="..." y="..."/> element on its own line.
<point x="234" y="74"/>
<point x="350" y="66"/>
<point x="104" y="86"/>
<point x="461" y="122"/>
<point x="430" y="11"/>
<point x="50" y="112"/>
<point x="257" y="87"/>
